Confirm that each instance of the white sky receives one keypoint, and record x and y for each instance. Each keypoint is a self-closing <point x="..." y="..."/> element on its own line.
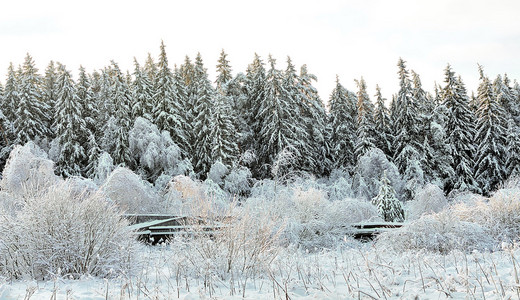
<point x="348" y="38"/>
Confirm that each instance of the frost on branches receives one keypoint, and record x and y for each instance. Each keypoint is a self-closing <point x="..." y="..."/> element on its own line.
<point x="390" y="208"/>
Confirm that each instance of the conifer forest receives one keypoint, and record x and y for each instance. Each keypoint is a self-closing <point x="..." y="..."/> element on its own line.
<point x="266" y="122"/>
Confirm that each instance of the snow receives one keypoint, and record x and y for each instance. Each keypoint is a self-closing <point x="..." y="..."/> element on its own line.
<point x="362" y="271"/>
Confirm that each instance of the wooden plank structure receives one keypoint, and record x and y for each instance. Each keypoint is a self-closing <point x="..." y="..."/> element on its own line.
<point x="368" y="231"/>
<point x="155" y="229"/>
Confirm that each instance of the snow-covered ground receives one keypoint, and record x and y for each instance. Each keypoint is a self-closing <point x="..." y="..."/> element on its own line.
<point x="355" y="272"/>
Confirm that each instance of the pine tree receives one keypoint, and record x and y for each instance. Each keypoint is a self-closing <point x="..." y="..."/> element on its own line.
<point x="69" y="126"/>
<point x="142" y="94"/>
<point x="513" y="150"/>
<point x="204" y="119"/>
<point x="32" y="119"/>
<point x="460" y="131"/>
<point x="343" y="116"/>
<point x="383" y="136"/>
<point x="490" y="138"/>
<point x="365" y="121"/>
<point x="389" y="207"/>
<point x="169" y="113"/>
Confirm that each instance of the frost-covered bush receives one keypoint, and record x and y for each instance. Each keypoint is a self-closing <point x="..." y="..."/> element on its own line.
<point x="437" y="232"/>
<point x="130" y="193"/>
<point x="217" y="172"/>
<point x="270" y="190"/>
<point x="10" y="204"/>
<point x="243" y="247"/>
<point x="104" y="166"/>
<point x="155" y="151"/>
<point x="187" y="196"/>
<point x="429" y="199"/>
<point x="238" y="181"/>
<point x="308" y="222"/>
<point x="339" y="185"/>
<point x="27" y="172"/>
<point x="500" y="213"/>
<point x="64" y="234"/>
<point x="369" y="171"/>
<point x="349" y="211"/>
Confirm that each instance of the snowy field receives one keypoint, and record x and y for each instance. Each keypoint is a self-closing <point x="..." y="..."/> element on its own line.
<point x="354" y="272"/>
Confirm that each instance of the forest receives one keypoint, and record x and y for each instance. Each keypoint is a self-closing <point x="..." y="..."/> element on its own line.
<point x="266" y="123"/>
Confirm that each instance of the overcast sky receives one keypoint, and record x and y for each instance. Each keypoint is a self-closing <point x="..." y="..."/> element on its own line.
<point x="348" y="38"/>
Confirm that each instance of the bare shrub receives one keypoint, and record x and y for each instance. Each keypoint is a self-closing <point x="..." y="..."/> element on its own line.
<point x="240" y="248"/>
<point x="429" y="199"/>
<point x="500" y="213"/>
<point x="440" y="232"/>
<point x="130" y="193"/>
<point x="65" y="234"/>
<point x="28" y="172"/>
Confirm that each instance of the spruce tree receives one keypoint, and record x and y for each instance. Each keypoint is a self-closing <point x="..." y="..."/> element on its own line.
<point x="90" y="114"/>
<point x="460" y="132"/>
<point x="223" y="134"/>
<point x="142" y="94"/>
<point x="343" y="116"/>
<point x="407" y="123"/>
<point x="32" y="114"/>
<point x="506" y="98"/>
<point x="295" y="99"/>
<point x="383" y="136"/>
<point x="277" y="133"/>
<point x="255" y="94"/>
<point x="229" y="87"/>
<point x="389" y="207"/>
<point x="204" y="97"/>
<point x="69" y="126"/>
<point x="169" y="113"/>
<point x="121" y="97"/>
<point x="150" y="68"/>
<point x="315" y="121"/>
<point x="10" y="98"/>
<point x="513" y="150"/>
<point x="101" y="88"/>
<point x="437" y="160"/>
<point x="224" y="75"/>
<point x="491" y="138"/>
<point x="50" y="92"/>
<point x="365" y="121"/>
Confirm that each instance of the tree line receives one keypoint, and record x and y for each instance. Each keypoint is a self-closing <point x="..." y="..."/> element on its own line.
<point x="266" y="120"/>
